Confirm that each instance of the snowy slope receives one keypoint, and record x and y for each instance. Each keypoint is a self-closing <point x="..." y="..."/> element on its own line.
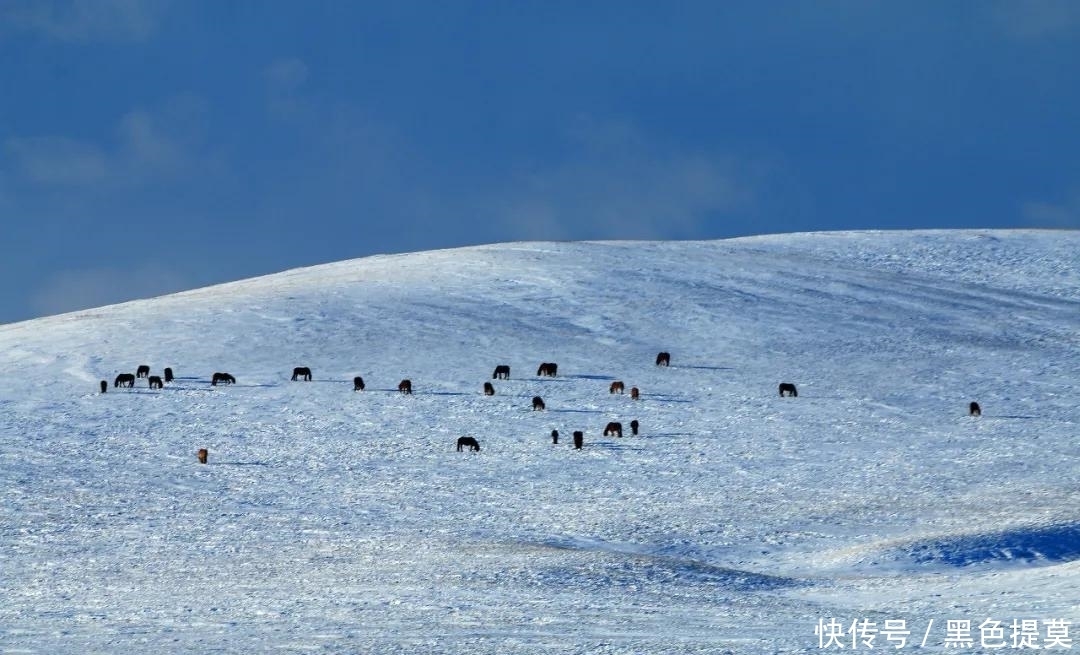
<point x="339" y="521"/>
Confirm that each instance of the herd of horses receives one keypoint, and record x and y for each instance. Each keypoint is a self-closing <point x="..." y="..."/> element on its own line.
<point x="502" y="372"/>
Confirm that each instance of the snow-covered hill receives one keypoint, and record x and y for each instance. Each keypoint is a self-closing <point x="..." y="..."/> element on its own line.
<point x="736" y="521"/>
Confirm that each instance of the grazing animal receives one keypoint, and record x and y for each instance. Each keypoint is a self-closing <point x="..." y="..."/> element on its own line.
<point x="223" y="378"/>
<point x="405" y="386"/>
<point x="538" y="403"/>
<point x="104" y="386"/>
<point x="168" y="375"/>
<point x="155" y="382"/>
<point x="143" y="371"/>
<point x="663" y="359"/>
<point x="358" y="383"/>
<point x="579" y="439"/>
<point x="634" y="393"/>
<point x="789" y="389"/>
<point x="613" y="428"/>
<point x="502" y="372"/>
<point x="124" y="380"/>
<point x="549" y="369"/>
<point x="203" y="454"/>
<point x="616" y="387"/>
<point x="489" y="389"/>
<point x="555" y="436"/>
<point x="468" y="442"/>
<point x="974" y="409"/>
<point x="301" y="372"/>
<point x="634" y="427"/>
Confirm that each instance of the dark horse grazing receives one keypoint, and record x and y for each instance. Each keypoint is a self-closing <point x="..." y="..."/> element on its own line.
<point x="663" y="359"/>
<point x="974" y="409"/>
<point x="579" y="439"/>
<point x="634" y="393"/>
<point x="142" y="371"/>
<point x="223" y="378"/>
<point x="405" y="386"/>
<point x="467" y="442"/>
<point x="168" y="375"/>
<point x="538" y="403"/>
<point x="555" y="436"/>
<point x="633" y="427"/>
<point x="358" y="383"/>
<point x="489" y="389"/>
<point x="613" y="428"/>
<point x="502" y="372"/>
<point x="789" y="389"/>
<point x="156" y="383"/>
<point x="104" y="386"/>
<point x="549" y="369"/>
<point x="301" y="372"/>
<point x="124" y="380"/>
<point x="616" y="387"/>
<point x="203" y="454"/>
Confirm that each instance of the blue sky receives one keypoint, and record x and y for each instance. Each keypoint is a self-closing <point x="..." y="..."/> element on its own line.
<point x="149" y="146"/>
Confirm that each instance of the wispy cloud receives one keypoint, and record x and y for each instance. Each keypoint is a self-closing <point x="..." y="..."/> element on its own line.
<point x="617" y="183"/>
<point x="85" y="20"/>
<point x="73" y="290"/>
<point x="146" y="145"/>
<point x="1053" y="215"/>
<point x="1036" y="19"/>
<point x="284" y="79"/>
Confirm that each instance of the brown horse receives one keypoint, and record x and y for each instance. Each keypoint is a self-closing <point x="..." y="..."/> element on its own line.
<point x="489" y="389"/>
<point x="788" y="389"/>
<point x="616" y="387"/>
<point x="613" y="428"/>
<point x="634" y="393"/>
<point x="663" y="359"/>
<point x="301" y="372"/>
<point x="405" y="386"/>
<point x="502" y="372"/>
<point x="203" y="454"/>
<point x="538" y="403"/>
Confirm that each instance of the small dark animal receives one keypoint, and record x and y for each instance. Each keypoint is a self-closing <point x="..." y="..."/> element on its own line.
<point x="358" y="383"/>
<point x="538" y="403"/>
<point x="104" y="386"/>
<point x="789" y="389"/>
<point x="155" y="382"/>
<point x="634" y="393"/>
<point x="502" y="372"/>
<point x="613" y="429"/>
<point x="616" y="387"/>
<point x="489" y="389"/>
<point x="549" y="369"/>
<point x="142" y="371"/>
<point x="223" y="378"/>
<point x="168" y="375"/>
<point x="301" y="372"/>
<point x="467" y="442"/>
<point x="405" y="386"/>
<point x="663" y="359"/>
<point x="555" y="436"/>
<point x="974" y="409"/>
<point x="579" y="439"/>
<point x="124" y="380"/>
<point x="633" y="427"/>
<point x="203" y="454"/>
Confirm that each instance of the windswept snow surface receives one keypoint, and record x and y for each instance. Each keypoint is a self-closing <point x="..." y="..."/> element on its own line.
<point x="338" y="521"/>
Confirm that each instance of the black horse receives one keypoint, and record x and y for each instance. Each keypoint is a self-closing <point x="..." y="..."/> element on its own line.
<point x="489" y="389"/>
<point x="301" y="372"/>
<point x="787" y="388"/>
<point x="405" y="386"/>
<point x="358" y="383"/>
<point x="555" y="436"/>
<point x="549" y="369"/>
<point x="124" y="380"/>
<point x="663" y="359"/>
<point x="142" y="371"/>
<point x="155" y="382"/>
<point x="104" y="386"/>
<point x="974" y="409"/>
<point x="223" y="378"/>
<point x="538" y="403"/>
<point x="468" y="442"/>
<point x="502" y="372"/>
<point x="168" y="375"/>
<point x="579" y="439"/>
<point x="634" y="427"/>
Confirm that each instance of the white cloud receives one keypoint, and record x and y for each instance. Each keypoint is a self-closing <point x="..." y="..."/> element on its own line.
<point x="85" y="20"/>
<point x="68" y="291"/>
<point x="1050" y="215"/>
<point x="55" y="160"/>
<point x="284" y="78"/>
<point x="1036" y="19"/>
